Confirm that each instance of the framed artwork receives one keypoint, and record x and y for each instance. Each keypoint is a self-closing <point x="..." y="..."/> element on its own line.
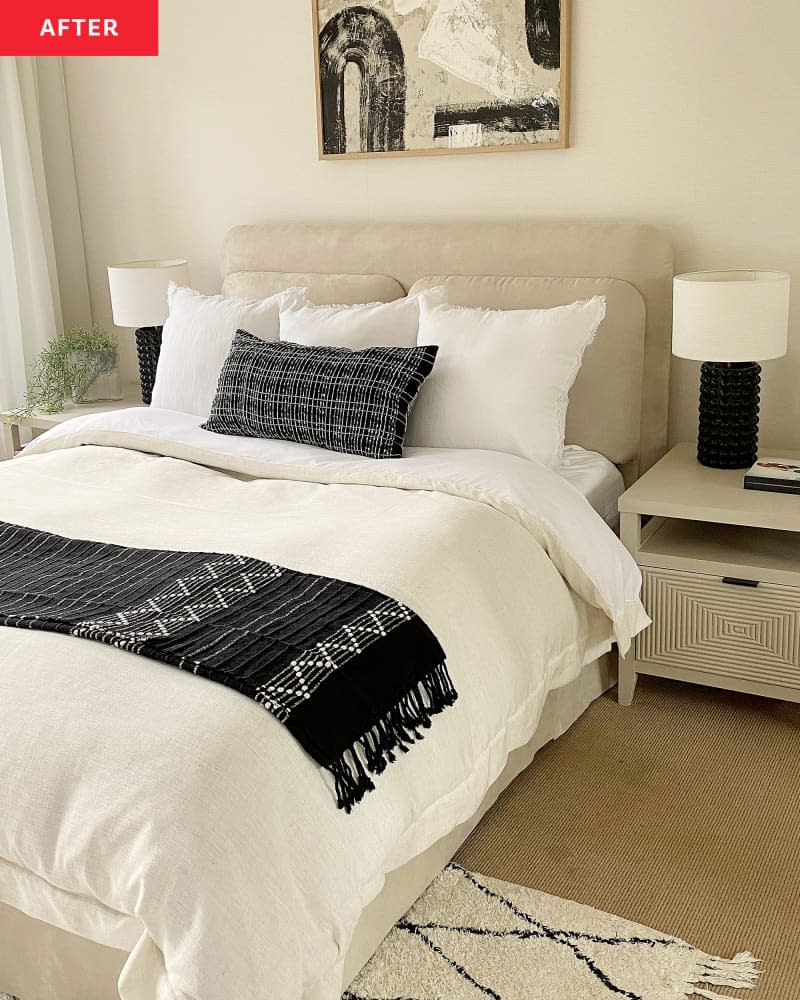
<point x="410" y="77"/>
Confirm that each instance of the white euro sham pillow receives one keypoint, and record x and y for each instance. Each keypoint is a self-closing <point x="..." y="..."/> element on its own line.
<point x="370" y="324"/>
<point x="197" y="339"/>
<point x="502" y="377"/>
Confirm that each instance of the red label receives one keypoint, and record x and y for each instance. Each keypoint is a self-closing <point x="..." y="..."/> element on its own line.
<point x="76" y="28"/>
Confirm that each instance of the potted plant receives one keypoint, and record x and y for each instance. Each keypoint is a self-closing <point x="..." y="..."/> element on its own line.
<point x="81" y="366"/>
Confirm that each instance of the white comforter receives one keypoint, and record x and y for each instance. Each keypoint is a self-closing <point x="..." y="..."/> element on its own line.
<point x="155" y="811"/>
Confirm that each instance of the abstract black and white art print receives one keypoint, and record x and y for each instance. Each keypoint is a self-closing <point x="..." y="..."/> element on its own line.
<point x="433" y="76"/>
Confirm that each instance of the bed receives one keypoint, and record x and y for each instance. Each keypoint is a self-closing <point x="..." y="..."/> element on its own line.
<point x="79" y="919"/>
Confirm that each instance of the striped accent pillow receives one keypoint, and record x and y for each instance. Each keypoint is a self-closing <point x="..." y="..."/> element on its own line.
<point x="352" y="401"/>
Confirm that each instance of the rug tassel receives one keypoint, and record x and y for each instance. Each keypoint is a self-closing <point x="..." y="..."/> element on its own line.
<point x="739" y="972"/>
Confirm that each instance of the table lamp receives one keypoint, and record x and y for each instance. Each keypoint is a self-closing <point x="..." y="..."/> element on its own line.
<point x="139" y="300"/>
<point x="729" y="320"/>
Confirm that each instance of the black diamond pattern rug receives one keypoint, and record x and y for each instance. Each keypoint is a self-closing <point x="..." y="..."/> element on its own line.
<point x="469" y="937"/>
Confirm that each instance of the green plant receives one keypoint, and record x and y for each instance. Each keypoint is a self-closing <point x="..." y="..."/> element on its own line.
<point x="67" y="367"/>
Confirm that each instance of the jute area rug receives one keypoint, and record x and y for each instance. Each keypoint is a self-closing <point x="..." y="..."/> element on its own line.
<point x="469" y="937"/>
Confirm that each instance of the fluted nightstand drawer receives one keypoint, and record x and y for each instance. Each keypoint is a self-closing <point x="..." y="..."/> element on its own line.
<point x="722" y="629"/>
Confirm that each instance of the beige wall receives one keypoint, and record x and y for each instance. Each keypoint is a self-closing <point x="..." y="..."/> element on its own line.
<point x="685" y="114"/>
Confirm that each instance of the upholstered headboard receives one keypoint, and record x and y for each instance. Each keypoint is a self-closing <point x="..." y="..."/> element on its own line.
<point x="618" y="405"/>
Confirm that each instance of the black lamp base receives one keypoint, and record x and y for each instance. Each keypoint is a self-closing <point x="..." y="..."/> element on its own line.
<point x="148" y="348"/>
<point x="728" y="431"/>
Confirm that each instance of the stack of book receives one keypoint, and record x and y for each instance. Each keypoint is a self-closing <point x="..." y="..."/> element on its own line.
<point x="777" y="475"/>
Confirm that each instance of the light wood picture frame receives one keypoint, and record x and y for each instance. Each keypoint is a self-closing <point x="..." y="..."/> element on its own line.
<point x="427" y="77"/>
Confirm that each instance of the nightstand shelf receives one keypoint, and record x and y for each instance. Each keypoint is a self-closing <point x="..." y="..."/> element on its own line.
<point x="703" y="547"/>
<point x="721" y="579"/>
<point x="10" y="443"/>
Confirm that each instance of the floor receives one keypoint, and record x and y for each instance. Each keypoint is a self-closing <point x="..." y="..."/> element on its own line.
<point x="681" y="812"/>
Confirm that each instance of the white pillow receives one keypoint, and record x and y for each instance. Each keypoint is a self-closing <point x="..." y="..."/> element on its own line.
<point x="501" y="378"/>
<point x="197" y="338"/>
<point x="372" y="324"/>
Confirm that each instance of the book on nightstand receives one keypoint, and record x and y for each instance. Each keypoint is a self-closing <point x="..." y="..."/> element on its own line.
<point x="777" y="475"/>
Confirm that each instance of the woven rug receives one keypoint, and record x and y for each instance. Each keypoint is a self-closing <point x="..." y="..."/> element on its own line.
<point x="469" y="937"/>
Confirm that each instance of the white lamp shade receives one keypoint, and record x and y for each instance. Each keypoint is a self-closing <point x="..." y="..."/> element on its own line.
<point x="139" y="290"/>
<point x="730" y="315"/>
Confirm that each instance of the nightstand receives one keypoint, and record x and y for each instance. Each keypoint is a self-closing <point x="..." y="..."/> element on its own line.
<point x="721" y="579"/>
<point x="9" y="424"/>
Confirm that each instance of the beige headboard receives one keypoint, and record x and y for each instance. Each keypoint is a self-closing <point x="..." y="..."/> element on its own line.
<point x="618" y="405"/>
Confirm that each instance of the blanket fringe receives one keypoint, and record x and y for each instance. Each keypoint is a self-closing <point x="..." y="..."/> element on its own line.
<point x="399" y="728"/>
<point x="739" y="972"/>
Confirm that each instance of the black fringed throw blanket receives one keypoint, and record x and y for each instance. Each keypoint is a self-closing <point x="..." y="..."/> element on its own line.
<point x="352" y="674"/>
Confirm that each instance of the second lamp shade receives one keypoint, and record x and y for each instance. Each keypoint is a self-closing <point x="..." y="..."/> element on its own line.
<point x="730" y="315"/>
<point x="139" y="290"/>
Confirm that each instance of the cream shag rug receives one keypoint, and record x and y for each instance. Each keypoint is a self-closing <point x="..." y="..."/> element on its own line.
<point x="469" y="937"/>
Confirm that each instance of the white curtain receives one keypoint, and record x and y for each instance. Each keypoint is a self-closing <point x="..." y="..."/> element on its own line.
<point x="30" y="305"/>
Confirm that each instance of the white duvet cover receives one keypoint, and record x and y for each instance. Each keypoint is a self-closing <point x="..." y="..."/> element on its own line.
<point x="164" y="814"/>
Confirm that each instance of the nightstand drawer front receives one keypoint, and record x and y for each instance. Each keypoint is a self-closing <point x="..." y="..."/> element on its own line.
<point x="703" y="624"/>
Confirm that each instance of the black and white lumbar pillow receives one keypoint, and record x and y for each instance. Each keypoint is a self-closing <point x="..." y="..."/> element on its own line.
<point x="332" y="397"/>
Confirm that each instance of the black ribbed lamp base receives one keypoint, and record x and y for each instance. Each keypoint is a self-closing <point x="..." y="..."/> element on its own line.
<point x="728" y="430"/>
<point x="148" y="349"/>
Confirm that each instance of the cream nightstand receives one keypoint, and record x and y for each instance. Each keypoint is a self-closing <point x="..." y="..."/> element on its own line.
<point x="721" y="579"/>
<point x="9" y="424"/>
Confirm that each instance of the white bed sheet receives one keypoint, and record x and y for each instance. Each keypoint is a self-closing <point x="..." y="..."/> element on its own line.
<point x="141" y="846"/>
<point x="38" y="961"/>
<point x="596" y="478"/>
